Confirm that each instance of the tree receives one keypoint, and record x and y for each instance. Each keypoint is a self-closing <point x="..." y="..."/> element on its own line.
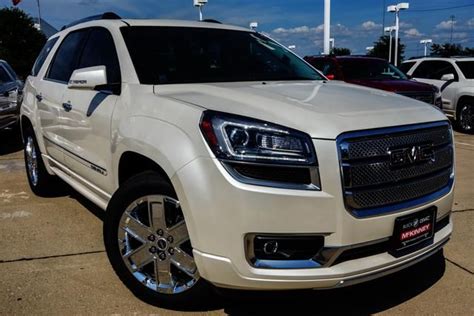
<point x="20" y="41"/>
<point x="381" y="48"/>
<point x="448" y="50"/>
<point x="340" y="51"/>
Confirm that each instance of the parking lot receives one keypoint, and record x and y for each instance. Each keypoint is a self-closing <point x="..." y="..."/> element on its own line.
<point x="52" y="260"/>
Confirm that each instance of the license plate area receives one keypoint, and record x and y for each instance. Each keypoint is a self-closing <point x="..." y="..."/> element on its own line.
<point x="413" y="232"/>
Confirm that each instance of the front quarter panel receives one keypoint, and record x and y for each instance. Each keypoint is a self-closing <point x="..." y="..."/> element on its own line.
<point x="160" y="129"/>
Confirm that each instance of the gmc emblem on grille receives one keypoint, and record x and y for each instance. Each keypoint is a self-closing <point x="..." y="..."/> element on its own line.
<point x="409" y="156"/>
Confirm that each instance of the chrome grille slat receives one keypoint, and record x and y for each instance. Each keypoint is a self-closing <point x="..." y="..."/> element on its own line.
<point x="372" y="184"/>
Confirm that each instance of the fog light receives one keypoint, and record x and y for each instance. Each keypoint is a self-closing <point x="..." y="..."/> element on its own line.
<point x="270" y="248"/>
<point x="281" y="247"/>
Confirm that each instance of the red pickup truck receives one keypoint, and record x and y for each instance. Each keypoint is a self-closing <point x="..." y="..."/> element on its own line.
<point x="374" y="73"/>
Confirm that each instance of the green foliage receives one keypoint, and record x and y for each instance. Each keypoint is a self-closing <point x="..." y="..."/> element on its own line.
<point x="20" y="41"/>
<point x="381" y="48"/>
<point x="448" y="50"/>
<point x="340" y="51"/>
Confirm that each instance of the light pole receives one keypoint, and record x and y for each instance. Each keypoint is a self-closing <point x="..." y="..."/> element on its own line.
<point x="426" y="42"/>
<point x="397" y="8"/>
<point x="390" y="29"/>
<point x="327" y="26"/>
<point x="199" y="4"/>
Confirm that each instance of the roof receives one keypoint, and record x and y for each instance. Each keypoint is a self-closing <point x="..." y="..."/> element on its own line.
<point x="183" y="23"/>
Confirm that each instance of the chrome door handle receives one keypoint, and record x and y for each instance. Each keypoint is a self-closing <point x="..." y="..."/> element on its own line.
<point x="67" y="107"/>
<point x="39" y="97"/>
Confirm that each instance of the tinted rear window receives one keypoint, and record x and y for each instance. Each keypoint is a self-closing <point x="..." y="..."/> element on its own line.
<point x="467" y="68"/>
<point x="405" y="67"/>
<point x="163" y="55"/>
<point x="365" y="69"/>
<point x="43" y="55"/>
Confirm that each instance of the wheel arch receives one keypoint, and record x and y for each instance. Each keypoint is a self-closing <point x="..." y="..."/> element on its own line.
<point x="132" y="163"/>
<point x="461" y="100"/>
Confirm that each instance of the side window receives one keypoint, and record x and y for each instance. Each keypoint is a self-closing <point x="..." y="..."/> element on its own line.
<point x="4" y="76"/>
<point x="99" y="50"/>
<point x="43" y="55"/>
<point x="434" y="69"/>
<point x="67" y="57"/>
<point x="405" y="67"/>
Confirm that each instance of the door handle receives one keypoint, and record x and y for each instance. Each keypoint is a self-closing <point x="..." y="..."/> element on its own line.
<point x="67" y="107"/>
<point x="39" y="97"/>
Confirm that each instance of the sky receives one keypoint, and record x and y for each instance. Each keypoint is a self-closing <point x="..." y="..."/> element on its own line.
<point x="354" y="24"/>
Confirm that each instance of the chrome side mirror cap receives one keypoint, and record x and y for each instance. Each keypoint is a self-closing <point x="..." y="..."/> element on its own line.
<point x="88" y="78"/>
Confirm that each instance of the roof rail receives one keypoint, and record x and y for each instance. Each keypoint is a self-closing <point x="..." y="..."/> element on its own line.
<point x="211" y="21"/>
<point x="103" y="16"/>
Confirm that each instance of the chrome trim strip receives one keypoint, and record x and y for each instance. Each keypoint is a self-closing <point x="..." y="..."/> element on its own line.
<point x="81" y="160"/>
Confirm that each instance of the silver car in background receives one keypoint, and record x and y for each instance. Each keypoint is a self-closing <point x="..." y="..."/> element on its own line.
<point x="10" y="91"/>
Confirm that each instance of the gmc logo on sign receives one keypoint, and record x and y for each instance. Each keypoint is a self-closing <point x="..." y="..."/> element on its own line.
<point x="409" y="156"/>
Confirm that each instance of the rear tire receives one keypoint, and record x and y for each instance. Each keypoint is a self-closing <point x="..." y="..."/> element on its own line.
<point x="41" y="182"/>
<point x="465" y="116"/>
<point x="148" y="245"/>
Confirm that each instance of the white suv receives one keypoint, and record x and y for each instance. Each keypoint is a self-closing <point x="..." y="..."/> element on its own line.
<point x="455" y="78"/>
<point x="222" y="158"/>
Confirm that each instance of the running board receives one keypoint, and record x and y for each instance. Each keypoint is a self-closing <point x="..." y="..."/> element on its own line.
<point x="80" y="184"/>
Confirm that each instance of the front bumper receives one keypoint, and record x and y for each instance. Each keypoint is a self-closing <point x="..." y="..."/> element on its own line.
<point x="221" y="211"/>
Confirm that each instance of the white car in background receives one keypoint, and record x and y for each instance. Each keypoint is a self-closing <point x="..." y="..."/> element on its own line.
<point x="455" y="78"/>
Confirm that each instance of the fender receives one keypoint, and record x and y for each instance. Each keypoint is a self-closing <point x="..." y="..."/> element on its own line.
<point x="153" y="137"/>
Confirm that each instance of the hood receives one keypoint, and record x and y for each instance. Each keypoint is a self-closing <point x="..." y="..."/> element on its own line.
<point x="395" y="85"/>
<point x="321" y="109"/>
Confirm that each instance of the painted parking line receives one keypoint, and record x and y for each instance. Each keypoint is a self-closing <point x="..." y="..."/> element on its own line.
<point x="464" y="144"/>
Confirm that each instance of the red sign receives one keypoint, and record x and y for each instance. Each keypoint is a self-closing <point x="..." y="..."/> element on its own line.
<point x="415" y="232"/>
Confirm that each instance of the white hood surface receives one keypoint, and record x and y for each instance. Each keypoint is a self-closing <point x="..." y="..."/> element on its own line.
<point x="321" y="109"/>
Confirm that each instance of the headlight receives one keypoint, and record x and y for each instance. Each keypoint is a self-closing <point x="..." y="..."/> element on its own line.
<point x="261" y="153"/>
<point x="240" y="138"/>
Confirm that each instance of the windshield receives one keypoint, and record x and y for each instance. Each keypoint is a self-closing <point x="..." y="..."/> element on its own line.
<point x="370" y="69"/>
<point x="467" y="68"/>
<point x="164" y="55"/>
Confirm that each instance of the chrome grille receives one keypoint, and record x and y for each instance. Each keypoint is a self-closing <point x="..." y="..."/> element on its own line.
<point x="374" y="184"/>
<point x="427" y="97"/>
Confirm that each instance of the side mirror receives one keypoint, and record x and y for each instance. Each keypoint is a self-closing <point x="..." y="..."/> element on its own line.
<point x="88" y="78"/>
<point x="330" y="76"/>
<point x="447" y="77"/>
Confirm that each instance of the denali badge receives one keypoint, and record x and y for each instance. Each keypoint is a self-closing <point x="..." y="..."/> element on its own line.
<point x="408" y="156"/>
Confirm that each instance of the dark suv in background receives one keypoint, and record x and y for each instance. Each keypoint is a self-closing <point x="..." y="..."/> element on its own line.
<point x="10" y="88"/>
<point x="374" y="73"/>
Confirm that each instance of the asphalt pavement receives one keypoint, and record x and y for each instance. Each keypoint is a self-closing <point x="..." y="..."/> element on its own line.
<point x="52" y="261"/>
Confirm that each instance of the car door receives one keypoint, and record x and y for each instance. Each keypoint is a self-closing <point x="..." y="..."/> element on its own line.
<point x="87" y="113"/>
<point x="431" y="71"/>
<point x="50" y="90"/>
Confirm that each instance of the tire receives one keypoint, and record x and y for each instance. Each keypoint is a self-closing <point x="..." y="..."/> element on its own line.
<point x="140" y="218"/>
<point x="41" y="182"/>
<point x="465" y="116"/>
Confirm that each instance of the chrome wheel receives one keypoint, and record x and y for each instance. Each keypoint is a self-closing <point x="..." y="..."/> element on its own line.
<point x="155" y="246"/>
<point x="466" y="117"/>
<point x="31" y="160"/>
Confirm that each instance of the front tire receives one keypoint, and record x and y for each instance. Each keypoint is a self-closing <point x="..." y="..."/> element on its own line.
<point x="148" y="245"/>
<point x="465" y="117"/>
